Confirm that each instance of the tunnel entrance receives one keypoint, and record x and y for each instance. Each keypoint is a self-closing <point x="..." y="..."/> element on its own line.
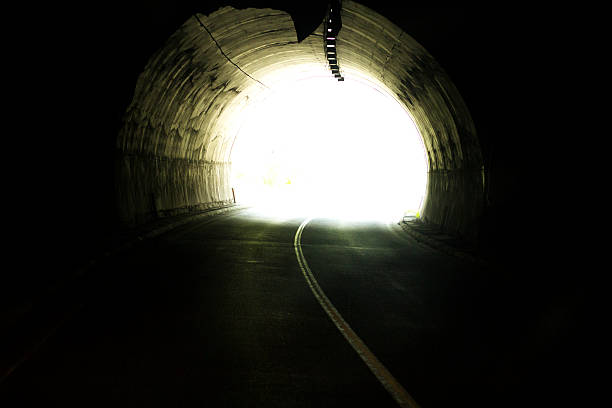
<point x="188" y="122"/>
<point x="338" y="149"/>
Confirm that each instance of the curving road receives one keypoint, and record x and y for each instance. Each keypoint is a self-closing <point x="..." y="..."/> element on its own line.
<point x="218" y="313"/>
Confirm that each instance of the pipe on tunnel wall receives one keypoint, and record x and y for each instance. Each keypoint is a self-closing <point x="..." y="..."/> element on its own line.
<point x="174" y="150"/>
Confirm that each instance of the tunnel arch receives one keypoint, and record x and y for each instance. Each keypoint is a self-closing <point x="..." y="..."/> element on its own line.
<point x="175" y="143"/>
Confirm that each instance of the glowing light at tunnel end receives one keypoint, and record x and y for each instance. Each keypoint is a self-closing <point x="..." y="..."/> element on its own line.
<point x="318" y="147"/>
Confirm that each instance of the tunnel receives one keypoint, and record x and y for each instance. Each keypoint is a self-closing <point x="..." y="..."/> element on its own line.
<point x="461" y="73"/>
<point x="182" y="122"/>
<point x="127" y="115"/>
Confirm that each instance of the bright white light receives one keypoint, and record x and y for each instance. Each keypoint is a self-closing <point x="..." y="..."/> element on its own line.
<point x="324" y="148"/>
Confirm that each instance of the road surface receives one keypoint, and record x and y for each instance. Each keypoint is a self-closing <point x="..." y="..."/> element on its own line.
<point x="218" y="313"/>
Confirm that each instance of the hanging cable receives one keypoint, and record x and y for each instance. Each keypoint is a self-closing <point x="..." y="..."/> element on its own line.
<point x="331" y="29"/>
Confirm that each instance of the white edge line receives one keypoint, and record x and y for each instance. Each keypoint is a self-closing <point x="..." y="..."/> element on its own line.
<point x="397" y="391"/>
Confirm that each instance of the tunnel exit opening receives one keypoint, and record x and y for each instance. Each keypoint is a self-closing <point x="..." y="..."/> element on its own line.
<point x="320" y="147"/>
<point x="197" y="125"/>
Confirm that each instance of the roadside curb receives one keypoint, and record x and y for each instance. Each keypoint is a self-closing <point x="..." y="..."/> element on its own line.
<point x="31" y="324"/>
<point x="410" y="226"/>
<point x="158" y="228"/>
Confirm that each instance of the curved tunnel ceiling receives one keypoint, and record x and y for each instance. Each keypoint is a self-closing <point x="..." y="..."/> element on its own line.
<point x="175" y="145"/>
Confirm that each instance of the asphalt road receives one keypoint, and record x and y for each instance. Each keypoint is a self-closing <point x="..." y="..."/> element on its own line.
<point x="217" y="313"/>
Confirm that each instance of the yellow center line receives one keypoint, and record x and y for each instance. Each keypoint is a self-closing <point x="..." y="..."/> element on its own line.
<point x="397" y="391"/>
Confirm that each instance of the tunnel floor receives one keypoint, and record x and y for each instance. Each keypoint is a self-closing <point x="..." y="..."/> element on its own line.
<point x="217" y="312"/>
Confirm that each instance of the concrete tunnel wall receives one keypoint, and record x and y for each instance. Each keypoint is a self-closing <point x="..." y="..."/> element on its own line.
<point x="175" y="144"/>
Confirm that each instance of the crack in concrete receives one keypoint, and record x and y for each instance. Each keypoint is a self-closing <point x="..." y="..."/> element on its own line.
<point x="225" y="55"/>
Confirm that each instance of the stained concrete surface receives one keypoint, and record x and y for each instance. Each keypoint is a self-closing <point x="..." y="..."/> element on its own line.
<point x="174" y="148"/>
<point x="216" y="313"/>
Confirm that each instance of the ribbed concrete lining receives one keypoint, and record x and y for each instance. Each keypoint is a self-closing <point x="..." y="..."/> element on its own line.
<point x="175" y="146"/>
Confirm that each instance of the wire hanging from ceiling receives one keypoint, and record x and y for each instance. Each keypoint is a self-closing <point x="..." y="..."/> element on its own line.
<point x="331" y="29"/>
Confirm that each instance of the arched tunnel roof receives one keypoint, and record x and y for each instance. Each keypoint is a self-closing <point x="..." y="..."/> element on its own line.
<point x="193" y="89"/>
